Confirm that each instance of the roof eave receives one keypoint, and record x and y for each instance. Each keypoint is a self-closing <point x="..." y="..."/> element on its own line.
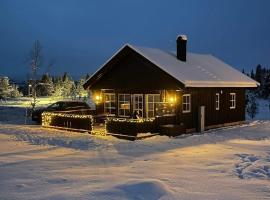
<point x="207" y="84"/>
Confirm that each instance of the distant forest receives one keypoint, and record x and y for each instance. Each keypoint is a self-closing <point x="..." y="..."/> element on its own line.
<point x="46" y="86"/>
<point x="262" y="76"/>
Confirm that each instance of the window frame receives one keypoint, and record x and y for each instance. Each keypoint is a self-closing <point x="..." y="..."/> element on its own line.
<point x="110" y="108"/>
<point x="134" y="103"/>
<point x="217" y="101"/>
<point x="153" y="104"/>
<point x="232" y="100"/>
<point x="186" y="103"/>
<point x="119" y="104"/>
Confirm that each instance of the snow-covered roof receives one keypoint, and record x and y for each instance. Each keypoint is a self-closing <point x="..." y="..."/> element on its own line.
<point x="199" y="70"/>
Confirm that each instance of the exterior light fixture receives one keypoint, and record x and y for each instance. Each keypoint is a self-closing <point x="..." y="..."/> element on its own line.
<point x="98" y="98"/>
<point x="172" y="99"/>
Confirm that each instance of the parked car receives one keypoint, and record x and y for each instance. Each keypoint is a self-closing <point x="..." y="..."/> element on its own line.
<point x="59" y="106"/>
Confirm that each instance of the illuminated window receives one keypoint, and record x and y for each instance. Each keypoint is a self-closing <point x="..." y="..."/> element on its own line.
<point x="232" y="100"/>
<point x="109" y="103"/>
<point x="186" y="103"/>
<point x="124" y="105"/>
<point x="151" y="100"/>
<point x="138" y="104"/>
<point x="217" y="97"/>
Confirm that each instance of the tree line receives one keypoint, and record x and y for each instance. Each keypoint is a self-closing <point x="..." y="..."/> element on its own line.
<point x="59" y="86"/>
<point x="262" y="76"/>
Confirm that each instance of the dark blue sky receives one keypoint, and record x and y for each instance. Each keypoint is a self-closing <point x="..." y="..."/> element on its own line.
<point x="82" y="34"/>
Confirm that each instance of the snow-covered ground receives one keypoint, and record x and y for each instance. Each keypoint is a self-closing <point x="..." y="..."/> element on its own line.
<point x="38" y="163"/>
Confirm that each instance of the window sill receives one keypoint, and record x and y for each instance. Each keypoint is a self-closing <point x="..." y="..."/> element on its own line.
<point x="186" y="111"/>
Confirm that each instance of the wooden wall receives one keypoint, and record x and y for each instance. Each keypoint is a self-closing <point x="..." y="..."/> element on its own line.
<point x="206" y="97"/>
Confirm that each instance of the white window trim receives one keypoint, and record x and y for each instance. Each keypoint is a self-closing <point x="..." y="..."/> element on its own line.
<point x="110" y="108"/>
<point x="125" y="94"/>
<point x="133" y="103"/>
<point x="153" y="103"/>
<point x="232" y="100"/>
<point x="189" y="110"/>
<point x="217" y="101"/>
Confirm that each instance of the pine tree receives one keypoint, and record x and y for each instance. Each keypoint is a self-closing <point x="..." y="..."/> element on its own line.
<point x="7" y="89"/>
<point x="14" y="93"/>
<point x="252" y="75"/>
<point x="47" y="85"/>
<point x="68" y="85"/>
<point x="258" y="74"/>
<point x="252" y="106"/>
<point x="80" y="91"/>
<point x="58" y="87"/>
<point x="266" y="86"/>
<point x="4" y="87"/>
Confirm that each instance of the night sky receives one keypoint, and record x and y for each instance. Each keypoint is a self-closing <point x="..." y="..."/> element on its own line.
<point x="82" y="34"/>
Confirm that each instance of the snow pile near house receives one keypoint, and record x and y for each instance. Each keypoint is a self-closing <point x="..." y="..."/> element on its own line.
<point x="36" y="135"/>
<point x="251" y="166"/>
<point x="147" y="189"/>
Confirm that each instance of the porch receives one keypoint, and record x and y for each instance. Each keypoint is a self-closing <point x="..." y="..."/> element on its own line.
<point x="135" y="104"/>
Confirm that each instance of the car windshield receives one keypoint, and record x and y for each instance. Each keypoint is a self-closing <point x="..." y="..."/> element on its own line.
<point x="76" y="105"/>
<point x="68" y="106"/>
<point x="54" y="105"/>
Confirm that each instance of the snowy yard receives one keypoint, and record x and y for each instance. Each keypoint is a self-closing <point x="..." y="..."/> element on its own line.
<point x="38" y="163"/>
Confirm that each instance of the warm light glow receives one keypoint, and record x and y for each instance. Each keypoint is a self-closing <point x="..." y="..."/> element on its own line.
<point x="98" y="98"/>
<point x="172" y="99"/>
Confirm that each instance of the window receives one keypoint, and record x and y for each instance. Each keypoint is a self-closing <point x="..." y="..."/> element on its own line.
<point x="152" y="100"/>
<point x="217" y="101"/>
<point x="124" y="105"/>
<point x="186" y="103"/>
<point x="232" y="100"/>
<point x="109" y="103"/>
<point x="138" y="104"/>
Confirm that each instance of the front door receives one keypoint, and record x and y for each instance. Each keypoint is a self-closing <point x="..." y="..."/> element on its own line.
<point x="138" y="103"/>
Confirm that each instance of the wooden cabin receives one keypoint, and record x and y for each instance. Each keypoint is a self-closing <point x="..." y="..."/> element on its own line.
<point x="200" y="90"/>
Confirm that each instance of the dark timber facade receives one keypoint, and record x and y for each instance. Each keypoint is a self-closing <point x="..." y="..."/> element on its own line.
<point x="130" y="82"/>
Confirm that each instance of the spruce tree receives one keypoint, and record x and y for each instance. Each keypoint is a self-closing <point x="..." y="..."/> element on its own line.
<point x="4" y="87"/>
<point x="68" y="85"/>
<point x="58" y="87"/>
<point x="81" y="92"/>
<point x="258" y="74"/>
<point x="252" y="75"/>
<point x="266" y="86"/>
<point x="252" y="106"/>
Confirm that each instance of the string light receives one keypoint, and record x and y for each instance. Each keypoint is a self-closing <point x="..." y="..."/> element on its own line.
<point x="48" y="118"/>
